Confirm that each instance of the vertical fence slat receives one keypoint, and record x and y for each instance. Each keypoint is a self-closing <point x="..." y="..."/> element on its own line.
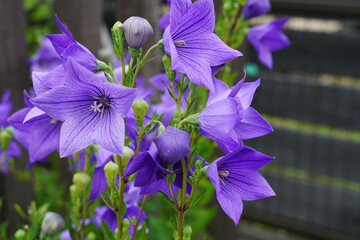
<point x="14" y="75"/>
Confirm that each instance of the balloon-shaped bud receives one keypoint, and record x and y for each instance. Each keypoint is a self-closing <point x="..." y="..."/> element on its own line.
<point x="137" y="30"/>
<point x="140" y="108"/>
<point x="187" y="232"/>
<point x="52" y="223"/>
<point x="20" y="234"/>
<point x="111" y="170"/>
<point x="92" y="236"/>
<point x="5" y="137"/>
<point x="81" y="181"/>
<point x="255" y="8"/>
<point x="172" y="144"/>
<point x="128" y="153"/>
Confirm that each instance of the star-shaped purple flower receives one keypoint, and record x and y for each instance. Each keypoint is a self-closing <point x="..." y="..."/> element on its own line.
<point x="92" y="109"/>
<point x="236" y="179"/>
<point x="268" y="38"/>
<point x="191" y="42"/>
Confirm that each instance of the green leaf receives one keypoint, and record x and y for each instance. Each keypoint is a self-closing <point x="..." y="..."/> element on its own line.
<point x="107" y="232"/>
<point x="20" y="211"/>
<point x="141" y="234"/>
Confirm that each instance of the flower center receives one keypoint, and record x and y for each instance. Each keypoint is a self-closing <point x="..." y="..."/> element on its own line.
<point x="100" y="104"/>
<point x="223" y="174"/>
<point x="180" y="42"/>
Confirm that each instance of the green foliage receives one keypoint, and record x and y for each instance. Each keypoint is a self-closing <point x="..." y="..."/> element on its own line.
<point x="40" y="17"/>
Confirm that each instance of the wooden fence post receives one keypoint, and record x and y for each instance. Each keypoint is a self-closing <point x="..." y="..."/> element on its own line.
<point x="14" y="75"/>
<point x="84" y="19"/>
<point x="149" y="9"/>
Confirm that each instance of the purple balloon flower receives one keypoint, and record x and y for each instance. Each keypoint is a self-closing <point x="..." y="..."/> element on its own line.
<point x="236" y="179"/>
<point x="255" y="8"/>
<point x="191" y="42"/>
<point x="172" y="144"/>
<point x="218" y="119"/>
<point x="249" y="124"/>
<point x="93" y="110"/>
<point x="268" y="38"/>
<point x="164" y="21"/>
<point x="5" y="108"/>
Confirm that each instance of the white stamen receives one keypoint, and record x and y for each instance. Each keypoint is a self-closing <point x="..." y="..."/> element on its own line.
<point x="96" y="107"/>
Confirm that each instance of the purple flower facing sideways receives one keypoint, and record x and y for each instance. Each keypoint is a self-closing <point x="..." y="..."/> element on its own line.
<point x="255" y="8"/>
<point x="268" y="38"/>
<point x="92" y="109"/>
<point x="248" y="123"/>
<point x="191" y="42"/>
<point x="172" y="144"/>
<point x="5" y="108"/>
<point x="164" y="21"/>
<point x="236" y="179"/>
<point x="218" y="119"/>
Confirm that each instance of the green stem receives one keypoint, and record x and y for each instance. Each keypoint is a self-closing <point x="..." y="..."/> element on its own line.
<point x="87" y="159"/>
<point x="139" y="65"/>
<point x="139" y="215"/>
<point x="182" y="210"/>
<point x="130" y="66"/>
<point x="122" y="58"/>
<point x="121" y="196"/>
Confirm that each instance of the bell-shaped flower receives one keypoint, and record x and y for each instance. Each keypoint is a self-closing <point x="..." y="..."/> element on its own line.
<point x="236" y="179"/>
<point x="255" y="8"/>
<point x="218" y="119"/>
<point x="268" y="38"/>
<point x="191" y="42"/>
<point x="249" y="123"/>
<point x="172" y="144"/>
<point x="92" y="109"/>
<point x="137" y="30"/>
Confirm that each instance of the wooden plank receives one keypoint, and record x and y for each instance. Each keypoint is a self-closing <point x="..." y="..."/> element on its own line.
<point x="339" y="7"/>
<point x="312" y="153"/>
<point x="318" y="53"/>
<point x="330" y="213"/>
<point x="301" y="98"/>
<point x="14" y="75"/>
<point x="84" y="19"/>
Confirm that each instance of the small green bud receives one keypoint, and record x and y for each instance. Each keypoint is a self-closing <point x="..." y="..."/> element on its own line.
<point x="171" y="74"/>
<point x="73" y="191"/>
<point x="5" y="137"/>
<point x="20" y="234"/>
<point x="161" y="44"/>
<point x="192" y="119"/>
<point x="198" y="165"/>
<point x="140" y="108"/>
<point x="126" y="224"/>
<point x="204" y="170"/>
<point x="161" y="129"/>
<point x="111" y="170"/>
<point x="128" y="153"/>
<point x="187" y="232"/>
<point x="81" y="181"/>
<point x="91" y="236"/>
<point x="101" y="66"/>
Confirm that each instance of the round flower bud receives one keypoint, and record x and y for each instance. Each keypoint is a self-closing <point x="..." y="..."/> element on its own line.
<point x="81" y="181"/>
<point x="161" y="129"/>
<point x="73" y="191"/>
<point x="111" y="170"/>
<point x="128" y="153"/>
<point x="52" y="223"/>
<point x="172" y="144"/>
<point x="20" y="234"/>
<point x="91" y="236"/>
<point x="137" y="30"/>
<point x="140" y="108"/>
